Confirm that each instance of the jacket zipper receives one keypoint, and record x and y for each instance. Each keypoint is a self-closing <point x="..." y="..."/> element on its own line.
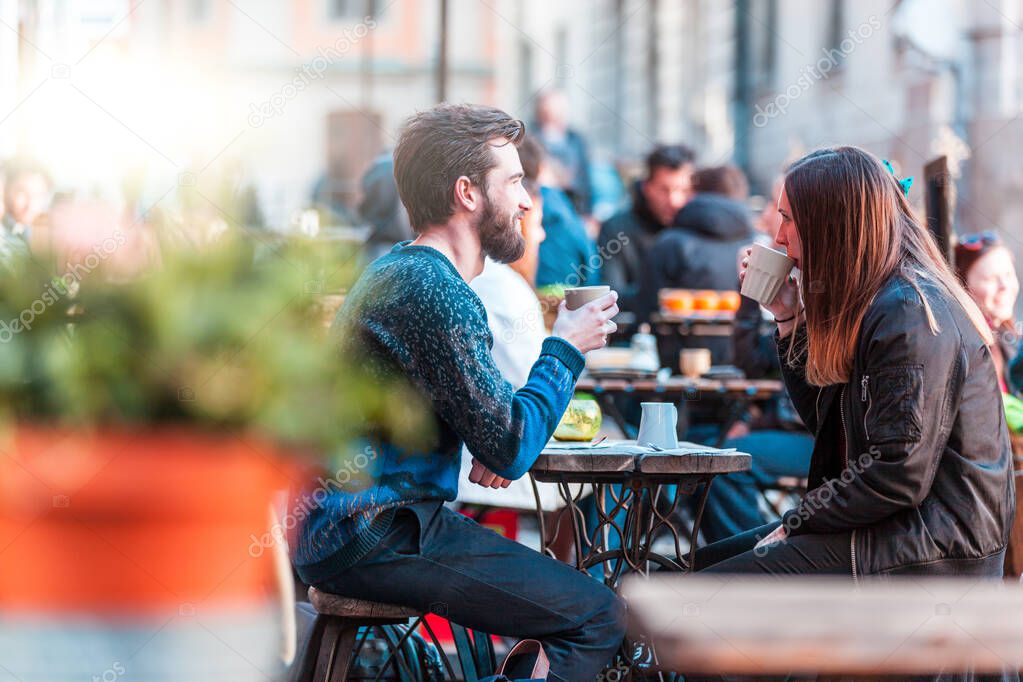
<point x="865" y="398"/>
<point x="845" y="453"/>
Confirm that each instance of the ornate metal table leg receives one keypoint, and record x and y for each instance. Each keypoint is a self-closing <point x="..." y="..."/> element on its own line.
<point x="701" y="505"/>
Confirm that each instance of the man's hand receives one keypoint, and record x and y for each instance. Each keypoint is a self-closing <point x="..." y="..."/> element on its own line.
<point x="480" y="475"/>
<point x="587" y="327"/>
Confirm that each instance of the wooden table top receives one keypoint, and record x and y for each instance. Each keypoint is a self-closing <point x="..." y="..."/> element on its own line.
<point x="751" y="388"/>
<point x="613" y="463"/>
<point x="705" y="624"/>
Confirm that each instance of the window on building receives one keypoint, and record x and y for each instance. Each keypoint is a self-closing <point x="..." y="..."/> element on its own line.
<point x="836" y="25"/>
<point x="763" y="28"/>
<point x="200" y="11"/>
<point x="352" y="10"/>
<point x="526" y="90"/>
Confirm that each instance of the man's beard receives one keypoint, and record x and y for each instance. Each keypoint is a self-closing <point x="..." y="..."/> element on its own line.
<point x="501" y="238"/>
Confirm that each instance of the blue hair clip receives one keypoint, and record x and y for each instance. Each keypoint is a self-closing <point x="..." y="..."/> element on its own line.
<point x="904" y="183"/>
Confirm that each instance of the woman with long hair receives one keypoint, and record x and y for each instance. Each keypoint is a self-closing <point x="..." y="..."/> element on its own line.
<point x="886" y="358"/>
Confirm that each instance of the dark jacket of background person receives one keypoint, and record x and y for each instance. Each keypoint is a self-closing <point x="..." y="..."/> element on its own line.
<point x="626" y="239"/>
<point x="919" y="427"/>
<point x="1014" y="376"/>
<point x="755" y="351"/>
<point x="567" y="255"/>
<point x="1013" y="364"/>
<point x="381" y="207"/>
<point x="756" y="354"/>
<point x="700" y="251"/>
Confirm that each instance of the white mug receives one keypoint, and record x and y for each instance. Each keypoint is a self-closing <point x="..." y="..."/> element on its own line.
<point x="658" y="426"/>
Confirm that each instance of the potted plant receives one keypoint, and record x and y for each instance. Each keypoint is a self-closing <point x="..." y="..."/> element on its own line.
<point x="147" y="418"/>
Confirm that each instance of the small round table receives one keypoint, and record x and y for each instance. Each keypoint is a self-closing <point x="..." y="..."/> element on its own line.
<point x="625" y="477"/>
<point x="634" y="478"/>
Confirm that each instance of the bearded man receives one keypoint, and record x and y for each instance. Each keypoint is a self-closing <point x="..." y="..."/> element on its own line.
<point x="388" y="538"/>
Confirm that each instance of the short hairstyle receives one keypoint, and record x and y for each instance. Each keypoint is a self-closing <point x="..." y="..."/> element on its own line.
<point x="671" y="156"/>
<point x="440" y="145"/>
<point x="728" y="180"/>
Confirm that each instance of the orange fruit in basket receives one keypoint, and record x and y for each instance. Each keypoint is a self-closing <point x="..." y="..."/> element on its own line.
<point x="729" y="300"/>
<point x="678" y="302"/>
<point x="706" y="300"/>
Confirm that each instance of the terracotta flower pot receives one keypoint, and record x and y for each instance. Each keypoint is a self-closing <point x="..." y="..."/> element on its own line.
<point x="122" y="522"/>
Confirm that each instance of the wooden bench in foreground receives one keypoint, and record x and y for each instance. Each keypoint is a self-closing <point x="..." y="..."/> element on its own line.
<point x="703" y="624"/>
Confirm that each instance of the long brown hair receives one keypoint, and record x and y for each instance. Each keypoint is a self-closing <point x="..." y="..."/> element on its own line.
<point x="857" y="229"/>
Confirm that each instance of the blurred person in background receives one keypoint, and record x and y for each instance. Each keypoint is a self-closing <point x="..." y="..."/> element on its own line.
<point x="568" y="256"/>
<point x="381" y="207"/>
<point x="567" y="149"/>
<point x="727" y="180"/>
<point x="986" y="269"/>
<point x="27" y="193"/>
<point x="698" y="251"/>
<point x="656" y="201"/>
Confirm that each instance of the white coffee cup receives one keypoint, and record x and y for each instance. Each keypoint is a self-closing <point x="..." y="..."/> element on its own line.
<point x="765" y="274"/>
<point x="577" y="297"/>
<point x="658" y="425"/>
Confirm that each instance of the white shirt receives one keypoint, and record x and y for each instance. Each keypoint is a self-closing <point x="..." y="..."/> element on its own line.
<point x="515" y="319"/>
<point x="516" y="322"/>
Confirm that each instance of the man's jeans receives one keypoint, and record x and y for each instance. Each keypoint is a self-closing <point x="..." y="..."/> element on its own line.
<point x="436" y="560"/>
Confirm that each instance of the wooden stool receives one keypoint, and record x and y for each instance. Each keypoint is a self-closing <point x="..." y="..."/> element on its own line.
<point x="333" y="643"/>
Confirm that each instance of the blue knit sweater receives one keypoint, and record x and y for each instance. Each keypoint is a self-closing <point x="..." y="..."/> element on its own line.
<point x="412" y="314"/>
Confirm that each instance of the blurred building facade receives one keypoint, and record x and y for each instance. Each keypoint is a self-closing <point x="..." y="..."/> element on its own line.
<point x="305" y="93"/>
<point x="759" y="82"/>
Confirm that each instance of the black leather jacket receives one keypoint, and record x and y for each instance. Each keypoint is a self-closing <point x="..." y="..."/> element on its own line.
<point x="924" y="481"/>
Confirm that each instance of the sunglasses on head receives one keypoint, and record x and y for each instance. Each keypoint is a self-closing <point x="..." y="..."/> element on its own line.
<point x="975" y="242"/>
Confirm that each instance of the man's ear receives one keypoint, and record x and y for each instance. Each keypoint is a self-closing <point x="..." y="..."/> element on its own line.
<point x="467" y="194"/>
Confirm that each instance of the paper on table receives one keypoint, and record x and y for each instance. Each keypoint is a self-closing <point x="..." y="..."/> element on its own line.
<point x="630" y="447"/>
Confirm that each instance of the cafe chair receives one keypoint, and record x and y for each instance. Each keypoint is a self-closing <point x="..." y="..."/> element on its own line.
<point x="341" y="630"/>
<point x="342" y="627"/>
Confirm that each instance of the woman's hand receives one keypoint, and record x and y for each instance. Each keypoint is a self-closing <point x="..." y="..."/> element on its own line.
<point x="785" y="305"/>
<point x="779" y="534"/>
<point x="480" y="475"/>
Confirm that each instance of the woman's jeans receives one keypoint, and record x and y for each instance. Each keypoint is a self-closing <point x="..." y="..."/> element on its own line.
<point x="819" y="554"/>
<point x="436" y="560"/>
